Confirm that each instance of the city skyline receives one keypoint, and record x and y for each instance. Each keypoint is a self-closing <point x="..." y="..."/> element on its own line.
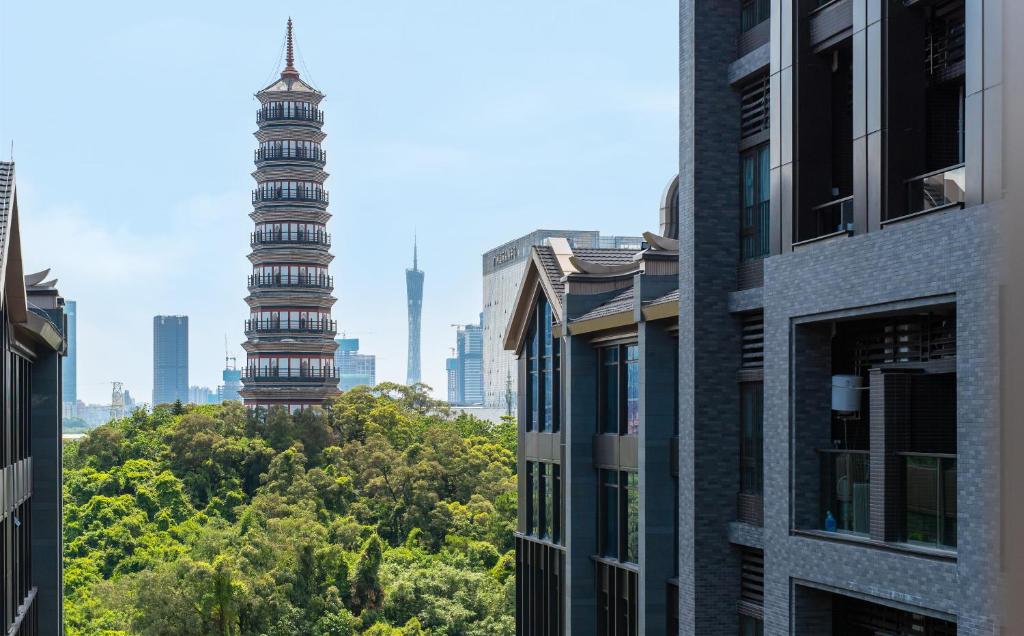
<point x="575" y="130"/>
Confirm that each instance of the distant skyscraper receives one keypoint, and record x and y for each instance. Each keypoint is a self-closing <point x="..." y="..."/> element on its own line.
<point x="290" y="334"/>
<point x="414" y="289"/>
<point x="503" y="269"/>
<point x="232" y="378"/>
<point x="354" y="368"/>
<point x="451" y="367"/>
<point x="201" y="395"/>
<point x="70" y="370"/>
<point x="469" y="371"/>
<point x="170" y="359"/>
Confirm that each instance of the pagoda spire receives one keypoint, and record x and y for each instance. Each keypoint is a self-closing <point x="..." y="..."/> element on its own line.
<point x="289" y="60"/>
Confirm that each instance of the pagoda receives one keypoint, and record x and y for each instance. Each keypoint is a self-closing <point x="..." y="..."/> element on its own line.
<point x="290" y="335"/>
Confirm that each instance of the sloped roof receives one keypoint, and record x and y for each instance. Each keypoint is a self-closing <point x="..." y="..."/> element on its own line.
<point x="620" y="302"/>
<point x="6" y="191"/>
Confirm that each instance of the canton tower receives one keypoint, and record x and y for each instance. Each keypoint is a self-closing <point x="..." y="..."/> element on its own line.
<point x="290" y="335"/>
<point x="414" y="290"/>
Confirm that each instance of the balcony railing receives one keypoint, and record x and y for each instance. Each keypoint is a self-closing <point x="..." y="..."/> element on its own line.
<point x="271" y="374"/>
<point x="329" y="327"/>
<point x="301" y="114"/>
<point x="936" y="189"/>
<point x="930" y="514"/>
<point x="829" y="218"/>
<point x="265" y="238"/>
<point x="262" y="154"/>
<point x="281" y="194"/>
<point x="845" y="490"/>
<point x="285" y="280"/>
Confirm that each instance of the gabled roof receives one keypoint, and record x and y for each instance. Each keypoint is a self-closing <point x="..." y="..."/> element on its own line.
<point x="545" y="273"/>
<point x="12" y="282"/>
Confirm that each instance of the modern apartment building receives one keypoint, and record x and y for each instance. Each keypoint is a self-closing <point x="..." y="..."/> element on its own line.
<point x="354" y="368"/>
<point x="33" y="343"/>
<point x="290" y="335"/>
<point x="835" y="450"/>
<point x="503" y="269"/>
<point x="170" y="359"/>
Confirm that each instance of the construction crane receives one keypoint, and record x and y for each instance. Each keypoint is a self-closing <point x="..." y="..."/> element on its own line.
<point x="117" y="400"/>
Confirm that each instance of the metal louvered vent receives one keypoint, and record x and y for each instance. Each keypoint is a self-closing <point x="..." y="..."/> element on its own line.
<point x="752" y="577"/>
<point x="753" y="341"/>
<point x="754" y="105"/>
<point x="906" y="339"/>
<point x="944" y="43"/>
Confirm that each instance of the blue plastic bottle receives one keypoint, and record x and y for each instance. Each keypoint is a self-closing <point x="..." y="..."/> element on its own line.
<point x="830" y="522"/>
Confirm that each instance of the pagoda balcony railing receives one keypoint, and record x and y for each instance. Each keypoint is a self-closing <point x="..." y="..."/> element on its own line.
<point x="268" y="113"/>
<point x="271" y="374"/>
<point x="281" y="194"/>
<point x="274" y="238"/>
<point x="329" y="327"/>
<point x="287" y="280"/>
<point x="301" y="154"/>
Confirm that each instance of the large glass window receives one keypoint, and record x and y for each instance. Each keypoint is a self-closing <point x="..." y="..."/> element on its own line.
<point x="631" y="504"/>
<point x="753" y="13"/>
<point x="609" y="390"/>
<point x="619" y="515"/>
<point x="608" y="511"/>
<point x="619" y="390"/>
<point x="751" y="440"/>
<point x="931" y="499"/>
<point x="756" y="203"/>
<point x="543" y="360"/>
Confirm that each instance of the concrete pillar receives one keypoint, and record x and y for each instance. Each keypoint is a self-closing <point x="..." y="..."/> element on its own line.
<point x="579" y="483"/>
<point x="47" y="474"/>
<point x="657" y="495"/>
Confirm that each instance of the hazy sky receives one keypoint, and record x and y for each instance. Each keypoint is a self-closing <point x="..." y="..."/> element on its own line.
<point x="471" y="121"/>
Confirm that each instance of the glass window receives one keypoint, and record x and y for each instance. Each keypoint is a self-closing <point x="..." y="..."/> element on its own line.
<point x="548" y="494"/>
<point x="535" y="498"/>
<point x="631" y="512"/>
<point x="930" y="500"/>
<point x="753" y="13"/>
<point x="556" y="503"/>
<point x="751" y="441"/>
<point x="756" y="200"/>
<point x="608" y="511"/>
<point x="632" y="389"/>
<point x="750" y="626"/>
<point x="609" y="390"/>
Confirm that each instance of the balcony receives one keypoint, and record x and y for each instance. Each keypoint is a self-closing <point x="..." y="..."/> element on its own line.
<point x="286" y="114"/>
<point x="299" y="154"/>
<point x="282" y="194"/>
<point x="935" y="190"/>
<point x="277" y="238"/>
<point x="828" y="219"/>
<point x="326" y="327"/>
<point x="271" y="374"/>
<point x="283" y="280"/>
<point x="930" y="504"/>
<point x="845" y="491"/>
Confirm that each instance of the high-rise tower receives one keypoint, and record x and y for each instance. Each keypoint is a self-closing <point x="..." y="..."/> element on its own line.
<point x="170" y="359"/>
<point x="290" y="335"/>
<point x="414" y="288"/>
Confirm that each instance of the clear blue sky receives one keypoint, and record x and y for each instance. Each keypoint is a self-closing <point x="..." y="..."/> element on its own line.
<point x="472" y="122"/>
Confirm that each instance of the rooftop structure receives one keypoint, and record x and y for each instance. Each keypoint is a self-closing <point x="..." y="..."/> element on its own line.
<point x="502" y="269"/>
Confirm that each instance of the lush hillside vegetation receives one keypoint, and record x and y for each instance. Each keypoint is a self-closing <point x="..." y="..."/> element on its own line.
<point x="385" y="515"/>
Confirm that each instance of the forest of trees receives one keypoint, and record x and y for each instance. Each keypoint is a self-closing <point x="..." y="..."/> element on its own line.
<point x="383" y="514"/>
